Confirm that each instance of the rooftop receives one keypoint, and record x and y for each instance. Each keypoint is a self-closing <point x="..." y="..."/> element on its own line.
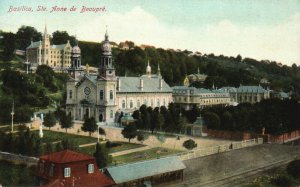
<point x="138" y="170"/>
<point x="66" y="156"/>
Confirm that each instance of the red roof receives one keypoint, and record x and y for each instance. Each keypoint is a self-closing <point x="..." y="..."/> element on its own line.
<point x="96" y="179"/>
<point x="66" y="156"/>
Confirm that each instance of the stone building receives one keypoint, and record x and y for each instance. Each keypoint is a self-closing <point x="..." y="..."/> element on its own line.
<point x="247" y="94"/>
<point x="57" y="57"/>
<point x="105" y="96"/>
<point x="188" y="97"/>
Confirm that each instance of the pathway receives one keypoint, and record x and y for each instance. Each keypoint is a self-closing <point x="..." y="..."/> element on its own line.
<point x="125" y="152"/>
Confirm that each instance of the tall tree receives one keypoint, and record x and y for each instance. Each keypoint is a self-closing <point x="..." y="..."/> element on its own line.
<point x="89" y="125"/>
<point x="25" y="35"/>
<point x="102" y="156"/>
<point x="66" y="121"/>
<point x="9" y="43"/>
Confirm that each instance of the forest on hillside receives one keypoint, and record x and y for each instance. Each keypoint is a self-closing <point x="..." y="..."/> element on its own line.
<point x="175" y="64"/>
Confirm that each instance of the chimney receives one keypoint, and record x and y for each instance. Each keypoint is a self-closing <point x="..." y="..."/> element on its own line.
<point x="118" y="84"/>
<point x="160" y="83"/>
<point x="141" y="84"/>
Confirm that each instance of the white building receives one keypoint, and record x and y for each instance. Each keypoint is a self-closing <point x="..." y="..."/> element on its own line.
<point x="58" y="57"/>
<point x="104" y="95"/>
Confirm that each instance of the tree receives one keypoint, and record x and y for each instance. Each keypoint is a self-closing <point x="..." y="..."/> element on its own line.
<point x="101" y="155"/>
<point x="9" y="42"/>
<point x="25" y="35"/>
<point x="62" y="37"/>
<point x="89" y="125"/>
<point x="129" y="132"/>
<point x="49" y="120"/>
<point x="65" y="121"/>
<point x="189" y="144"/>
<point x="212" y="120"/>
<point x="47" y="74"/>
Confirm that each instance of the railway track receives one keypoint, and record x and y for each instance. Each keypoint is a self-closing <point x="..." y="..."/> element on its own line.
<point x="234" y="179"/>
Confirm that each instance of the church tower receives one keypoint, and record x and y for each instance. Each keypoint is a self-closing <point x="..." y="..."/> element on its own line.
<point x="75" y="70"/>
<point x="106" y="84"/>
<point x="106" y="69"/>
<point x="45" y="51"/>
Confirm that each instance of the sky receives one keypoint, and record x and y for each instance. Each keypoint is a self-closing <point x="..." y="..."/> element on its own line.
<point x="259" y="29"/>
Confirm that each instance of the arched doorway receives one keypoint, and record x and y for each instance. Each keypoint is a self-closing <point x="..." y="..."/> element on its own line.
<point x="100" y="117"/>
<point x="87" y="113"/>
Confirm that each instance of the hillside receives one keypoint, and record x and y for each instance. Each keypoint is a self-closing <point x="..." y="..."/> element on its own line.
<point x="175" y="64"/>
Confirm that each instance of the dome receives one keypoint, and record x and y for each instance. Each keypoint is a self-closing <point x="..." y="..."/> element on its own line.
<point x="106" y="48"/>
<point x="76" y="50"/>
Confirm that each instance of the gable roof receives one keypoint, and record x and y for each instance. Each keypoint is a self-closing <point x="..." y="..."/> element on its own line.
<point x="34" y="45"/>
<point x="138" y="170"/>
<point x="60" y="47"/>
<point x="66" y="156"/>
<point x="132" y="84"/>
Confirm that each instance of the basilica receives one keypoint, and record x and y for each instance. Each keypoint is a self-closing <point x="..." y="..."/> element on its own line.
<point x="104" y="95"/>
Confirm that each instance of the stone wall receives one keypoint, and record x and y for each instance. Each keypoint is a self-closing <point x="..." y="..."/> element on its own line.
<point x="286" y="137"/>
<point x="231" y="135"/>
<point x="18" y="158"/>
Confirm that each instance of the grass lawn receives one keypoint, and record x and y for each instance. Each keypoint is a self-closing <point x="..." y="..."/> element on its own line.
<point x="122" y="147"/>
<point x="144" y="155"/>
<point x="16" y="174"/>
<point x="52" y="136"/>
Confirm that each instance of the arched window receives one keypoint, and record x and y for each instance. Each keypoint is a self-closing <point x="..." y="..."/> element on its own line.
<point x="131" y="103"/>
<point x="145" y="102"/>
<point x="123" y="104"/>
<point x="158" y="103"/>
<point x="111" y="95"/>
<point x="138" y="103"/>
<point x="111" y="114"/>
<point x="152" y="103"/>
<point x="70" y="94"/>
<point x="164" y="102"/>
<point x="101" y="95"/>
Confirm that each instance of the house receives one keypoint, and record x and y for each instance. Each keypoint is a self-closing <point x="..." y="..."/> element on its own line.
<point x="147" y="173"/>
<point x="69" y="168"/>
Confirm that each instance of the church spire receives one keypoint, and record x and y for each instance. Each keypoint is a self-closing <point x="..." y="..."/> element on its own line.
<point x="158" y="69"/>
<point x="148" y="69"/>
<point x="45" y="30"/>
<point x="106" y="34"/>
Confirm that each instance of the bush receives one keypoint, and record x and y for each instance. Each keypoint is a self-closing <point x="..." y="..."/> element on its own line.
<point x="189" y="144"/>
<point x="293" y="169"/>
<point x="110" y="144"/>
<point x="282" y="180"/>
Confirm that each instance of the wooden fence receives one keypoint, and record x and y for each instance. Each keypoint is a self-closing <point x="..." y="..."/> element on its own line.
<point x="219" y="148"/>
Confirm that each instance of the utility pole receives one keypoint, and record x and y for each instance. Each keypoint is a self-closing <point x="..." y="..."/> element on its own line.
<point x="12" y="116"/>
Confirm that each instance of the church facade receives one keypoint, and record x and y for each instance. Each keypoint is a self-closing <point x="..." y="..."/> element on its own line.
<point x="105" y="96"/>
<point x="58" y="57"/>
